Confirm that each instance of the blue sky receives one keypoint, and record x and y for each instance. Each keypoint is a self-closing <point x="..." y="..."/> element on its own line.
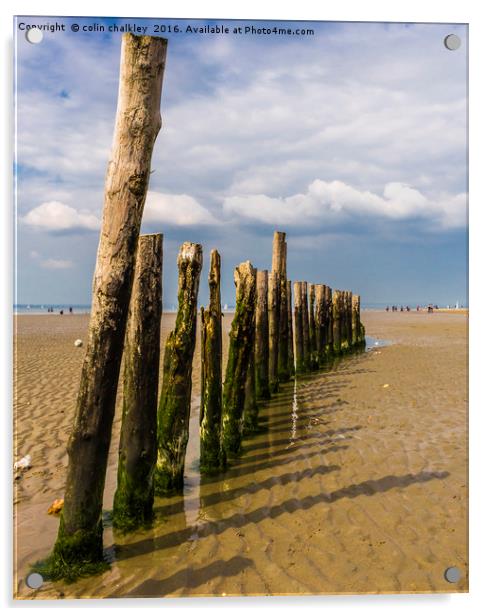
<point x="353" y="141"/>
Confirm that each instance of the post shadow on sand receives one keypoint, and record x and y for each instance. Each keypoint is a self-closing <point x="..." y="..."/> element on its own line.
<point x="220" y="496"/>
<point x="370" y="487"/>
<point x="191" y="577"/>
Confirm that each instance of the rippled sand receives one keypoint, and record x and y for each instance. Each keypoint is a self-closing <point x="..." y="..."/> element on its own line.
<point x="353" y="487"/>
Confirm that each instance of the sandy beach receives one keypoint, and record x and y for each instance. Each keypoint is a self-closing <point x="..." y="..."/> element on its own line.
<point x="357" y="484"/>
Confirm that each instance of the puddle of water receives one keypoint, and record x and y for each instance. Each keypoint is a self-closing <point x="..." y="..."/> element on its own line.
<point x="375" y="343"/>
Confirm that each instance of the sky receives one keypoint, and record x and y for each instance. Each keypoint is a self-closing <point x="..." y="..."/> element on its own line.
<point x="352" y="140"/>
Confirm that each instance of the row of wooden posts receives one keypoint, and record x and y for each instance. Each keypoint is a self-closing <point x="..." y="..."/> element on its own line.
<point x="126" y="318"/>
<point x="270" y="341"/>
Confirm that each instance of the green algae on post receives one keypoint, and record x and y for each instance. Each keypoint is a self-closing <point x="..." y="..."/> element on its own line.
<point x="273" y="329"/>
<point x="298" y="337"/>
<point x="176" y="389"/>
<point x="212" y="456"/>
<point x="240" y="348"/>
<point x="261" y="336"/>
<point x="134" y="496"/>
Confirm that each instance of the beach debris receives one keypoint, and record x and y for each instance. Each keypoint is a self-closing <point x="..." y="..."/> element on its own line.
<point x="385" y="385"/>
<point x="23" y="464"/>
<point x="78" y="342"/>
<point x="56" y="506"/>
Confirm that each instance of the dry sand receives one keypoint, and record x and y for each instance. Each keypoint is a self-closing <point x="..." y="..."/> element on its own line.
<point x="355" y="487"/>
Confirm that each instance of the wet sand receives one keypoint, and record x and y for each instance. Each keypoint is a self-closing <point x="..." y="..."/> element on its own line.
<point x="354" y="487"/>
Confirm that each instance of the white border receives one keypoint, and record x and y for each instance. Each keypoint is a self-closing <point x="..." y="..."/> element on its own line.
<point x="471" y="11"/>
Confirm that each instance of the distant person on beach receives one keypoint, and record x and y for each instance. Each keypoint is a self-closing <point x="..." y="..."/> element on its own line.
<point x="71" y="310"/>
<point x="387" y="308"/>
<point x="61" y="312"/>
<point x="408" y="309"/>
<point x="402" y="309"/>
<point x="417" y="308"/>
<point x="430" y="308"/>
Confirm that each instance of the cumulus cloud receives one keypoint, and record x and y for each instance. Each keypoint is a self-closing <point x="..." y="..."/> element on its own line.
<point x="336" y="202"/>
<point x="177" y="210"/>
<point x="56" y="216"/>
<point x="57" y="264"/>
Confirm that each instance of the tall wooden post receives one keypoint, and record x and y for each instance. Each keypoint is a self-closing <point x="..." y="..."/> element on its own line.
<point x="176" y="389"/>
<point x="79" y="548"/>
<point x="133" y="499"/>
<point x="290" y="328"/>
<point x="321" y="321"/>
<point x="211" y="454"/>
<point x="313" y="328"/>
<point x="336" y="322"/>
<point x="273" y="332"/>
<point x="298" y="334"/>
<point x="279" y="266"/>
<point x="305" y="327"/>
<point x="329" y="326"/>
<point x="240" y="348"/>
<point x="261" y="336"/>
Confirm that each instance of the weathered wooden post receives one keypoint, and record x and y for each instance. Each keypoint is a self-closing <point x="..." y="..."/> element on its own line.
<point x="250" y="411"/>
<point x="261" y="336"/>
<point x="273" y="329"/>
<point x="212" y="456"/>
<point x="329" y="326"/>
<point x="337" y="322"/>
<point x="290" y="328"/>
<point x="240" y="348"/>
<point x="298" y="334"/>
<point x="176" y="389"/>
<point x="279" y="266"/>
<point x="133" y="499"/>
<point x="349" y="311"/>
<point x="79" y="545"/>
<point x="320" y="318"/>
<point x="313" y="328"/>
<point x="360" y="326"/>
<point x="355" y="334"/>
<point x="343" y="319"/>
<point x="305" y="327"/>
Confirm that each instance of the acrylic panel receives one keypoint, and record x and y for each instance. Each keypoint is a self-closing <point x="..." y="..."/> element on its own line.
<point x="240" y="321"/>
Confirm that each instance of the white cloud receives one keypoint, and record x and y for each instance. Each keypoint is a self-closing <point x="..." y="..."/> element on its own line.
<point x="178" y="210"/>
<point x="56" y="216"/>
<point x="57" y="264"/>
<point x="336" y="202"/>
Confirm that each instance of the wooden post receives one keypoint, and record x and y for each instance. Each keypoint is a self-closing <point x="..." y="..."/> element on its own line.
<point x="355" y="334"/>
<point x="79" y="548"/>
<point x="313" y="328"/>
<point x="250" y="412"/>
<point x="298" y="337"/>
<point x="360" y="326"/>
<point x="290" y="336"/>
<point x="133" y="499"/>
<point x="337" y="322"/>
<point x="261" y="336"/>
<point x="305" y="327"/>
<point x="240" y="348"/>
<point x="273" y="328"/>
<point x="279" y="266"/>
<point x="176" y="389"/>
<point x="212" y="456"/>
<point x="349" y="312"/>
<point x="321" y="321"/>
<point x="329" y="326"/>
